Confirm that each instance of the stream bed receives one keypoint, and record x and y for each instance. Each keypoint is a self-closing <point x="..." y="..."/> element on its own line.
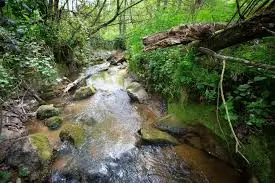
<point x="111" y="151"/>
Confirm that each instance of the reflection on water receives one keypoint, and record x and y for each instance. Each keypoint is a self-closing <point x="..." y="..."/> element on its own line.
<point x="216" y="171"/>
<point x="109" y="154"/>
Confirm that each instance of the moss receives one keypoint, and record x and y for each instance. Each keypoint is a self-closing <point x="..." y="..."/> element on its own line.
<point x="41" y="143"/>
<point x="256" y="152"/>
<point x="54" y="122"/>
<point x="171" y="120"/>
<point x="73" y="133"/>
<point x="200" y="114"/>
<point x="84" y="92"/>
<point x="47" y="111"/>
<point x="152" y="135"/>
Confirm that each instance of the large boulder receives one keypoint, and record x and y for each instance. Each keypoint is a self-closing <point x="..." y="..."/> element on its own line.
<point x="72" y="133"/>
<point x="47" y="111"/>
<point x="32" y="153"/>
<point x="136" y="92"/>
<point x="54" y="122"/>
<point x="151" y="135"/>
<point x="84" y="92"/>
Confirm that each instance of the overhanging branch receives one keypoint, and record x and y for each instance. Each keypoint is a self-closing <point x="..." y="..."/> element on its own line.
<point x="239" y="60"/>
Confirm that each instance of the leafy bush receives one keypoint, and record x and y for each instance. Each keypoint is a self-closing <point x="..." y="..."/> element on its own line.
<point x="34" y="64"/>
<point x="5" y="176"/>
<point x="169" y="71"/>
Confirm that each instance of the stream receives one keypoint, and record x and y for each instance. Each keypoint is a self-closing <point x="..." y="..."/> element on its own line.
<point x="111" y="153"/>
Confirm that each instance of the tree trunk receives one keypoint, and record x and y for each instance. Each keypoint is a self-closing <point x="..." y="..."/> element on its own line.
<point x="158" y="4"/>
<point x="243" y="32"/>
<point x="68" y="6"/>
<point x="180" y="35"/>
<point x="165" y="5"/>
<point x="259" y="26"/>
<point x="56" y="12"/>
<point x="50" y="8"/>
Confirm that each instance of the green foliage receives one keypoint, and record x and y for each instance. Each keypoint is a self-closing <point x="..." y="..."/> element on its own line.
<point x="192" y="113"/>
<point x="255" y="150"/>
<point x="5" y="176"/>
<point x="231" y="111"/>
<point x="24" y="56"/>
<point x="158" y="67"/>
<point x="34" y="64"/>
<point x="23" y="171"/>
<point x="119" y="43"/>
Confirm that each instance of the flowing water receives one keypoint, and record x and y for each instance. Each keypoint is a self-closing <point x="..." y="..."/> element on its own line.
<point x="109" y="153"/>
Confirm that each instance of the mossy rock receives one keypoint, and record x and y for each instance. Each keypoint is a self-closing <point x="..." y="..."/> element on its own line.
<point x="54" y="122"/>
<point x="41" y="143"/>
<point x="171" y="124"/>
<point x="47" y="111"/>
<point x="154" y="136"/>
<point x="73" y="133"/>
<point x="136" y="92"/>
<point x="84" y="92"/>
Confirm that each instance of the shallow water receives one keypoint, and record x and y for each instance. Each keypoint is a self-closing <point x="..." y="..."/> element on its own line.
<point x="109" y="153"/>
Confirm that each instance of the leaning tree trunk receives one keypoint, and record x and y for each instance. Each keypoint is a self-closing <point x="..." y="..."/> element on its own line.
<point x="213" y="36"/>
<point x="180" y="35"/>
<point x="257" y="27"/>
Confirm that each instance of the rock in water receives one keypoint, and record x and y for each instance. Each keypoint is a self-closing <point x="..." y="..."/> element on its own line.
<point x="117" y="57"/>
<point x="84" y="92"/>
<point x="32" y="152"/>
<point x="153" y="136"/>
<point x="42" y="145"/>
<point x="136" y="92"/>
<point x="47" y="111"/>
<point x="72" y="133"/>
<point x="54" y="122"/>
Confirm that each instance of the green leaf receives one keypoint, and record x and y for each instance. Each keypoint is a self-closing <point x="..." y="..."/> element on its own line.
<point x="258" y="78"/>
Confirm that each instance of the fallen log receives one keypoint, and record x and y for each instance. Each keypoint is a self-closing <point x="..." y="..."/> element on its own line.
<point x="213" y="36"/>
<point x="183" y="34"/>
<point x="89" y="73"/>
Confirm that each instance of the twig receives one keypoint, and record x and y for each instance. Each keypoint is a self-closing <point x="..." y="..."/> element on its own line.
<point x="237" y="142"/>
<point x="217" y="116"/>
<point x="1" y="120"/>
<point x="269" y="31"/>
<point x="40" y="100"/>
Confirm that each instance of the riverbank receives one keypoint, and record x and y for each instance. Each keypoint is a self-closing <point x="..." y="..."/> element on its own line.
<point x="98" y="139"/>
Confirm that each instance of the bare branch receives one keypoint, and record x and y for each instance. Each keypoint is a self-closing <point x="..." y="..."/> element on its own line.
<point x="269" y="31"/>
<point x="99" y="13"/>
<point x="118" y="12"/>
<point x="239" y="60"/>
